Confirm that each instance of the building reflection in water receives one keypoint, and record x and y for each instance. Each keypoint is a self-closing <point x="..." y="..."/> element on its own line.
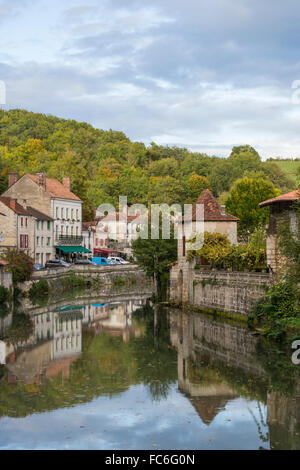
<point x="218" y="362"/>
<point x="56" y="341"/>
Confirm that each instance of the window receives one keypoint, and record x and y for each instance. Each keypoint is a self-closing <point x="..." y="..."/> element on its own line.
<point x="62" y="212"/>
<point x="56" y="213"/>
<point x="42" y="241"/>
<point x="72" y="231"/>
<point x="48" y="225"/>
<point x="72" y="213"/>
<point x="77" y="214"/>
<point x="48" y="241"/>
<point x="38" y="225"/>
<point x="56" y="232"/>
<point x="25" y="221"/>
<point x="21" y="221"/>
<point x="67" y="214"/>
<point x="183" y="246"/>
<point x="42" y="225"/>
<point x="76" y="231"/>
<point x="61" y="230"/>
<point x="67" y="230"/>
<point x="37" y="241"/>
<point x="23" y="241"/>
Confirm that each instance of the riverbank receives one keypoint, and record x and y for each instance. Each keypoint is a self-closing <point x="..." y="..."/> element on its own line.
<point x="62" y="278"/>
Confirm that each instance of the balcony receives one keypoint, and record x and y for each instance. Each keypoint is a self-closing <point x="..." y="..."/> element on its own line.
<point x="69" y="240"/>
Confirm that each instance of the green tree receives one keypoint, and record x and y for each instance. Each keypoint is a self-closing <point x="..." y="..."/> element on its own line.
<point x="20" y="264"/>
<point x="195" y="185"/>
<point x="155" y="256"/>
<point x="244" y="200"/>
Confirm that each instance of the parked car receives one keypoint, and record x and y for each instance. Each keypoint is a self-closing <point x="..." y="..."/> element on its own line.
<point x="100" y="261"/>
<point x="85" y="262"/>
<point x="38" y="267"/>
<point x="118" y="260"/>
<point x="57" y="263"/>
<point x="64" y="263"/>
<point x="112" y="261"/>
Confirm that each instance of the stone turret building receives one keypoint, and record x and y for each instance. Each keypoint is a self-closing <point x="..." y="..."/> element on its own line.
<point x="282" y="209"/>
<point x="214" y="219"/>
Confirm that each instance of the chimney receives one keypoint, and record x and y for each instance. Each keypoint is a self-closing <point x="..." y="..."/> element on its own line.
<point x="12" y="178"/>
<point x="223" y="210"/>
<point x="66" y="183"/>
<point x="12" y="204"/>
<point x="41" y="179"/>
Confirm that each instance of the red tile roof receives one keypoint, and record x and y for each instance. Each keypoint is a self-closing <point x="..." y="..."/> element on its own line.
<point x="13" y="205"/>
<point x="289" y="197"/>
<point x="56" y="189"/>
<point x="20" y="210"/>
<point x="212" y="209"/>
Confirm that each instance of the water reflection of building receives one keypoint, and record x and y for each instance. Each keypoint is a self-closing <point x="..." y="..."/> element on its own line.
<point x="217" y="362"/>
<point x="114" y="318"/>
<point x="56" y="341"/>
<point x="54" y="345"/>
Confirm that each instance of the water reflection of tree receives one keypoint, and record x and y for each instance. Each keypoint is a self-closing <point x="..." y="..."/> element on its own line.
<point x="19" y="331"/>
<point x="156" y="361"/>
<point x="260" y="423"/>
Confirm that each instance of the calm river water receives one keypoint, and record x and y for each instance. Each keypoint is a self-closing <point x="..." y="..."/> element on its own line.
<point x="117" y="373"/>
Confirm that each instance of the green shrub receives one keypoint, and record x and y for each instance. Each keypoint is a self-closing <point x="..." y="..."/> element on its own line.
<point x="39" y="288"/>
<point x="279" y="305"/>
<point x="4" y="294"/>
<point x="118" y="281"/>
<point x="218" y="251"/>
<point x="72" y="281"/>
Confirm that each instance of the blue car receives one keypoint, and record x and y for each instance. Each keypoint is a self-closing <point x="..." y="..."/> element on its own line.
<point x="100" y="261"/>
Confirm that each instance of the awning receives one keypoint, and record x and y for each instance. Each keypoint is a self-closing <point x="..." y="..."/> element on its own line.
<point x="73" y="249"/>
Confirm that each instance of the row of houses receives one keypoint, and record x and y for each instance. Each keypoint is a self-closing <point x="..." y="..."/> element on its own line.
<point x="43" y="218"/>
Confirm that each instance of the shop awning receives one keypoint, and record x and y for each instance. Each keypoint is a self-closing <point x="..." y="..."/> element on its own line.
<point x="73" y="249"/>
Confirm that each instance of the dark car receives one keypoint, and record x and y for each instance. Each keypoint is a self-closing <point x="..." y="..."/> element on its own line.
<point x="57" y="263"/>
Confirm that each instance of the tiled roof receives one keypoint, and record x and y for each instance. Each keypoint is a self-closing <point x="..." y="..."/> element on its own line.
<point x="117" y="216"/>
<point x="56" y="189"/>
<point x="20" y="210"/>
<point x="212" y="209"/>
<point x="86" y="225"/>
<point x="13" y="205"/>
<point x="38" y="215"/>
<point x="289" y="197"/>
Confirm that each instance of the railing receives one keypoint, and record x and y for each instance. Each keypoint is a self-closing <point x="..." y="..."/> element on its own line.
<point x="64" y="240"/>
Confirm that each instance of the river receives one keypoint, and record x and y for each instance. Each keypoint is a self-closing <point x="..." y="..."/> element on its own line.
<point x="116" y="372"/>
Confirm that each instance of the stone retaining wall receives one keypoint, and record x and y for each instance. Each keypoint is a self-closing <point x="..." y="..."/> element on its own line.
<point x="234" y="292"/>
<point x="105" y="275"/>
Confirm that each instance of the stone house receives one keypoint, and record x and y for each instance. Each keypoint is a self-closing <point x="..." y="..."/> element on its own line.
<point x="43" y="236"/>
<point x="26" y="229"/>
<point x="282" y="209"/>
<point x="16" y="226"/>
<point x="55" y="200"/>
<point x="213" y="219"/>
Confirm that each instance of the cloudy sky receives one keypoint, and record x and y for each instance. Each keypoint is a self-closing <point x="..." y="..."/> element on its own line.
<point x="205" y="74"/>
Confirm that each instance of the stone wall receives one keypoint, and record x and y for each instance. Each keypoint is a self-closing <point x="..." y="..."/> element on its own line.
<point x="106" y="275"/>
<point x="233" y="292"/>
